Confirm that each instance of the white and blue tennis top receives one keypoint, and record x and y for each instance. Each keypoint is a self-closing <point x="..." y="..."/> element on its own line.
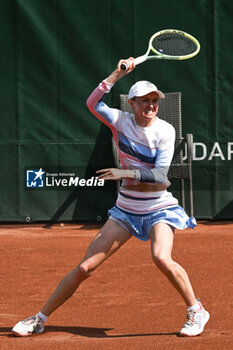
<point x="147" y="149"/>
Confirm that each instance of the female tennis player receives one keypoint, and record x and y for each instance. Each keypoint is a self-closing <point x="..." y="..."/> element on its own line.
<point x="144" y="208"/>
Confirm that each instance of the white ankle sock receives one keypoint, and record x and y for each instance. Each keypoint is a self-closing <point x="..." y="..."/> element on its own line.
<point x="42" y="316"/>
<point x="194" y="307"/>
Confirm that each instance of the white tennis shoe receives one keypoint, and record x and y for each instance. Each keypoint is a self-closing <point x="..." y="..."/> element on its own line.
<point x="195" y="323"/>
<point x="29" y="326"/>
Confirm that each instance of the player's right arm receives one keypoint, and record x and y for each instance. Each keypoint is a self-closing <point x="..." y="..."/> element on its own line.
<point x="95" y="100"/>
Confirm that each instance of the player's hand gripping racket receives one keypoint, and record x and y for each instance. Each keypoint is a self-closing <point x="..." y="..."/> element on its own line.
<point x="169" y="44"/>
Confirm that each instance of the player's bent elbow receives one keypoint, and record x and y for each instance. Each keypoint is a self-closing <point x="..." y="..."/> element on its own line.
<point x="153" y="176"/>
<point x="90" y="106"/>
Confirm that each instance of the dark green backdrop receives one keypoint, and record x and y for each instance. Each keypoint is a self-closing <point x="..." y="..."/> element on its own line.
<point x="55" y="52"/>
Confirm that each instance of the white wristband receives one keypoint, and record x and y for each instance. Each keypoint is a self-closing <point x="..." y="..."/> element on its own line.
<point x="137" y="175"/>
<point x="105" y="86"/>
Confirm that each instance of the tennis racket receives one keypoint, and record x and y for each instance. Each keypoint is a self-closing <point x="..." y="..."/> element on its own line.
<point x="169" y="44"/>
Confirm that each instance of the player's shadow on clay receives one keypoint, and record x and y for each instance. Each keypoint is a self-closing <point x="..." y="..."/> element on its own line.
<point x="90" y="332"/>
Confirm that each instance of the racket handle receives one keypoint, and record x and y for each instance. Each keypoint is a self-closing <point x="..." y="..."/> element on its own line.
<point x="140" y="59"/>
<point x="124" y="66"/>
<point x="137" y="61"/>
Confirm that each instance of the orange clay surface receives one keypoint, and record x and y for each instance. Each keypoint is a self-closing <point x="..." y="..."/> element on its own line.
<point x="127" y="303"/>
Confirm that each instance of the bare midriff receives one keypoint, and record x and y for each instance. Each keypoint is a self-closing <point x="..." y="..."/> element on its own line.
<point x="146" y="187"/>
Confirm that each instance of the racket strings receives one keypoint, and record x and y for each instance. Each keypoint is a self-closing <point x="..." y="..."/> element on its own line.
<point x="174" y="45"/>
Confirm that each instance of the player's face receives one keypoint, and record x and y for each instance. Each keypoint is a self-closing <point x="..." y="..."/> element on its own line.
<point x="145" y="107"/>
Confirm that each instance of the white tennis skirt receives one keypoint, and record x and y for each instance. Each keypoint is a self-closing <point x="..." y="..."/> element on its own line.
<point x="138" y="212"/>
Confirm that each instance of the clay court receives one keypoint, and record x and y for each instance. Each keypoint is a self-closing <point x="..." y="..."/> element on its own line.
<point x="127" y="303"/>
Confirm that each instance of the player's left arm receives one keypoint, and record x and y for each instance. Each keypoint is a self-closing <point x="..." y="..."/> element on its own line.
<point x="163" y="160"/>
<point x="156" y="175"/>
<point x="117" y="174"/>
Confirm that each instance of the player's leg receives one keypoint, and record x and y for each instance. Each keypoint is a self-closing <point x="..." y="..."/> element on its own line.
<point x="162" y="236"/>
<point x="110" y="238"/>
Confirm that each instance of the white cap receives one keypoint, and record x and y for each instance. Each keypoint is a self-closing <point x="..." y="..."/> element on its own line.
<point x="142" y="88"/>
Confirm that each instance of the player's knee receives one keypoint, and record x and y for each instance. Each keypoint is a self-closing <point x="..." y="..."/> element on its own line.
<point x="81" y="272"/>
<point x="162" y="262"/>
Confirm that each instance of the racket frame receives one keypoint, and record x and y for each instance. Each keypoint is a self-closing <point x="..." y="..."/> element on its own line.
<point x="159" y="55"/>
